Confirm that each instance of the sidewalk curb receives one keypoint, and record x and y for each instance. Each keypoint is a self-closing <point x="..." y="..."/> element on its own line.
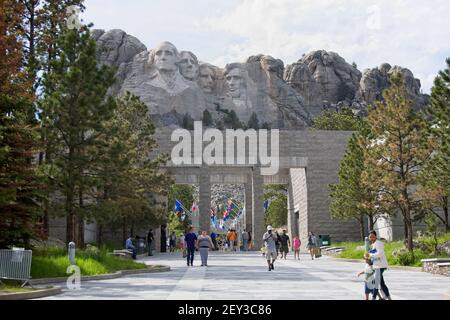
<point x="390" y="267"/>
<point x="118" y="274"/>
<point x="32" y="294"/>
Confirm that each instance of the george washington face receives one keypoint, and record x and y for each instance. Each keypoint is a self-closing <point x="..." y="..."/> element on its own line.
<point x="166" y="57"/>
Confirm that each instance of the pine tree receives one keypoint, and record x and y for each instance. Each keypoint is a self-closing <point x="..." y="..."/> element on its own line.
<point x="207" y="119"/>
<point x="435" y="177"/>
<point x="188" y="122"/>
<point x="253" y="122"/>
<point x="332" y="120"/>
<point x="394" y="154"/>
<point x="20" y="186"/>
<point x="75" y="108"/>
<point x="351" y="198"/>
<point x="129" y="184"/>
<point x="276" y="214"/>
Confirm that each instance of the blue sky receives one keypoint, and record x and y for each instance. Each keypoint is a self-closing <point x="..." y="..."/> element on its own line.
<point x="411" y="33"/>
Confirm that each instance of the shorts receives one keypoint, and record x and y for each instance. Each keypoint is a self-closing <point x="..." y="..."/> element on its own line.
<point x="367" y="290"/>
<point x="271" y="254"/>
<point x="284" y="249"/>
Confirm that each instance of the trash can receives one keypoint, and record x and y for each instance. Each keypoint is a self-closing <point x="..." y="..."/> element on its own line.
<point x="324" y="240"/>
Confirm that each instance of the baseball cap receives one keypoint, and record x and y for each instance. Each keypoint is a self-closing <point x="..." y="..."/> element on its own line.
<point x="269" y="228"/>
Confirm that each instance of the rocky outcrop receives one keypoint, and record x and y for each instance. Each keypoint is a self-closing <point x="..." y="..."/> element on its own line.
<point x="374" y="81"/>
<point x="176" y="86"/>
<point x="323" y="77"/>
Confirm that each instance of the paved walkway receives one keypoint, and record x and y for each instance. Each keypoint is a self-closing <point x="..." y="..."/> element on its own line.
<point x="245" y="276"/>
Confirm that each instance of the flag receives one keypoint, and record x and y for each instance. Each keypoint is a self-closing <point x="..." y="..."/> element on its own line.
<point x="178" y="206"/>
<point x="226" y="215"/>
<point x="194" y="208"/>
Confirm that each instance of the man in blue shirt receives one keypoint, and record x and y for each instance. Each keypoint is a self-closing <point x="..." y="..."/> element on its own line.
<point x="191" y="242"/>
<point x="129" y="246"/>
<point x="214" y="241"/>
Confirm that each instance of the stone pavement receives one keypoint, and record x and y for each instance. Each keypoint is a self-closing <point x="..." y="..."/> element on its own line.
<point x="245" y="276"/>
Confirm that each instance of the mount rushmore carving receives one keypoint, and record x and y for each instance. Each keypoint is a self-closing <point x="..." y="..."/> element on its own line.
<point x="175" y="85"/>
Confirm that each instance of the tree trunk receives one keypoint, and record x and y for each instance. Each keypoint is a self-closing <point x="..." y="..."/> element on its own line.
<point x="124" y="231"/>
<point x="70" y="228"/>
<point x="361" y="227"/>
<point x="80" y="221"/>
<point x="371" y="222"/>
<point x="409" y="231"/>
<point x="99" y="235"/>
<point x="445" y="208"/>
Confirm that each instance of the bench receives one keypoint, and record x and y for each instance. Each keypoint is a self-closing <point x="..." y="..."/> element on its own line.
<point x="124" y="253"/>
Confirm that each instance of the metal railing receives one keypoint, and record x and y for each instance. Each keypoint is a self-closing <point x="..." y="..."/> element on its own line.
<point x="15" y="265"/>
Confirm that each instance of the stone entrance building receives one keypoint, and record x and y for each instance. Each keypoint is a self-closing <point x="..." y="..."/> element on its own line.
<point x="309" y="163"/>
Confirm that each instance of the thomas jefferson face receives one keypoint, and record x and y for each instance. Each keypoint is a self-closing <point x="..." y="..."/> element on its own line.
<point x="165" y="57"/>
<point x="188" y="66"/>
<point x="206" y="79"/>
<point x="235" y="81"/>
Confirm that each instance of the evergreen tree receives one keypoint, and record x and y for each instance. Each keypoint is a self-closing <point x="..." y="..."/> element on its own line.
<point x="129" y="184"/>
<point x="276" y="213"/>
<point x="394" y="154"/>
<point x="253" y="122"/>
<point x="207" y="119"/>
<point x="435" y="177"/>
<point x="231" y="120"/>
<point x="351" y="198"/>
<point x="20" y="186"/>
<point x="333" y="120"/>
<point x="74" y="110"/>
<point x="188" y="122"/>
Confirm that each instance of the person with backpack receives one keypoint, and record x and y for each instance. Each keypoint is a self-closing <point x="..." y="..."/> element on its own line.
<point x="312" y="244"/>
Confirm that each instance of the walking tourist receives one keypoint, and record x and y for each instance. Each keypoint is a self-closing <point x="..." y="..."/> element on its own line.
<point x="150" y="241"/>
<point x="285" y="243"/>
<point x="231" y="237"/>
<point x="250" y="243"/>
<point x="129" y="246"/>
<point x="312" y="244"/>
<point x="214" y="240"/>
<point x="369" y="278"/>
<point x="269" y="239"/>
<point x="190" y="243"/>
<point x="204" y="243"/>
<point x="296" y="243"/>
<point x="173" y="241"/>
<point x="380" y="264"/>
<point x="277" y="242"/>
<point x="245" y="237"/>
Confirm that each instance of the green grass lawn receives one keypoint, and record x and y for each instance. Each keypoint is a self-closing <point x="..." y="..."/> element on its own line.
<point x="53" y="262"/>
<point x="353" y="252"/>
<point x="12" y="288"/>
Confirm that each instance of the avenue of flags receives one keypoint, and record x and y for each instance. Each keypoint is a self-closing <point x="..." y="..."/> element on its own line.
<point x="231" y="214"/>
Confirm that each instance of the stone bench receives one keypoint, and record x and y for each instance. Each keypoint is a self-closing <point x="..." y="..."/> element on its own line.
<point x="333" y="250"/>
<point x="123" y="253"/>
<point x="437" y="266"/>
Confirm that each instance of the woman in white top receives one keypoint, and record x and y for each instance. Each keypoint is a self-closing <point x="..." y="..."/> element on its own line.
<point x="380" y="264"/>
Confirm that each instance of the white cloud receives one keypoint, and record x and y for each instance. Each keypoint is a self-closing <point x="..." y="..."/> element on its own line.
<point x="410" y="33"/>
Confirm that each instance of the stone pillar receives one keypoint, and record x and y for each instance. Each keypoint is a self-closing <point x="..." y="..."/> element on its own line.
<point x="291" y="220"/>
<point x="248" y="206"/>
<point x="258" y="227"/>
<point x="204" y="201"/>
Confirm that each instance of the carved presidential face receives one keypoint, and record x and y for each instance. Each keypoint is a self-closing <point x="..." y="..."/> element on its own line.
<point x="165" y="57"/>
<point x="188" y="66"/>
<point x="235" y="82"/>
<point x="269" y="63"/>
<point x="206" y="79"/>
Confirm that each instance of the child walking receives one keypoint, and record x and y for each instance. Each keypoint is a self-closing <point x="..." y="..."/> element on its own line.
<point x="296" y="243"/>
<point x="369" y="279"/>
